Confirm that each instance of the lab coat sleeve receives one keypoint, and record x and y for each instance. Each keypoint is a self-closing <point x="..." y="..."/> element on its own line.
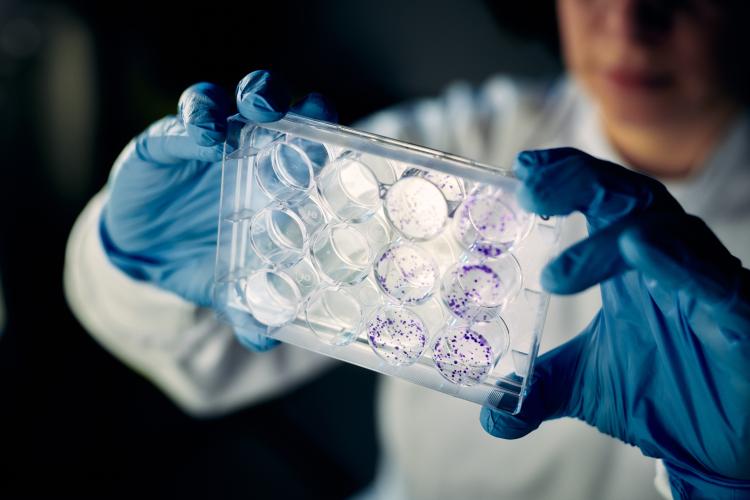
<point x="181" y="348"/>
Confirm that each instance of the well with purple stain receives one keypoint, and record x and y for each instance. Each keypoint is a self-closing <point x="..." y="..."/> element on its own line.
<point x="397" y="335"/>
<point x="463" y="356"/>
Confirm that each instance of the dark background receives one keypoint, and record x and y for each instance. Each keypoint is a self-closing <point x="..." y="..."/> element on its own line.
<point x="77" y="81"/>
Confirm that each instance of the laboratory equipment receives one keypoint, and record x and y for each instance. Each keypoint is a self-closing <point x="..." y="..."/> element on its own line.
<point x="405" y="260"/>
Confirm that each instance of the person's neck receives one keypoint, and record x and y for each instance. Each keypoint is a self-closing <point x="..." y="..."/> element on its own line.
<point x="673" y="151"/>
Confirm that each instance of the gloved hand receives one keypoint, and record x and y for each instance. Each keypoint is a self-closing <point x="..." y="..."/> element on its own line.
<point x="160" y="221"/>
<point x="665" y="364"/>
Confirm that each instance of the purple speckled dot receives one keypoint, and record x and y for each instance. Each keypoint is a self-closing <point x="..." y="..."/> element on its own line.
<point x="416" y="208"/>
<point x="406" y="273"/>
<point x="474" y="291"/>
<point x="463" y="356"/>
<point x="451" y="187"/>
<point x="489" y="223"/>
<point x="397" y="335"/>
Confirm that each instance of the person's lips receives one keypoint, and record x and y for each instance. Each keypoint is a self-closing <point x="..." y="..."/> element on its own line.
<point x="637" y="80"/>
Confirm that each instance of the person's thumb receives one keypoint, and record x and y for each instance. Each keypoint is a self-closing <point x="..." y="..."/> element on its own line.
<point x="262" y="97"/>
<point x="554" y="386"/>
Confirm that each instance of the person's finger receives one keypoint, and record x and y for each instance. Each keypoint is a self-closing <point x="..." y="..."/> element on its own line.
<point x="586" y="263"/>
<point x="553" y="392"/>
<point x="166" y="142"/>
<point x="197" y="133"/>
<point x="254" y="340"/>
<point x="193" y="279"/>
<point x="262" y="97"/>
<point x="682" y="253"/>
<point x="248" y="331"/>
<point x="316" y="106"/>
<point x="203" y="109"/>
<point x="561" y="181"/>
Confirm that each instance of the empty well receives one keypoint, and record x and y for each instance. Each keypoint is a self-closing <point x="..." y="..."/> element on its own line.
<point x="342" y="254"/>
<point x="334" y="315"/>
<point x="272" y="298"/>
<point x="283" y="171"/>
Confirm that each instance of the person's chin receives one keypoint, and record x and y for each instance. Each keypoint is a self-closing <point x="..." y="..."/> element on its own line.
<point x="638" y="107"/>
<point x="639" y="113"/>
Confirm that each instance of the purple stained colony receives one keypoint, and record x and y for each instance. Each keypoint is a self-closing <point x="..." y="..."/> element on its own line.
<point x="406" y="274"/>
<point x="474" y="291"/>
<point x="416" y="208"/>
<point x="397" y="335"/>
<point x="451" y="187"/>
<point x="463" y="356"/>
<point x="487" y="225"/>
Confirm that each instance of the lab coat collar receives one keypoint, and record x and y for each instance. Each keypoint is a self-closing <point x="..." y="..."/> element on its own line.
<point x="721" y="185"/>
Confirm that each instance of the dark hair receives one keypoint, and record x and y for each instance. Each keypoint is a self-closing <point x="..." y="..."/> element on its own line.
<point x="531" y="20"/>
<point x="732" y="52"/>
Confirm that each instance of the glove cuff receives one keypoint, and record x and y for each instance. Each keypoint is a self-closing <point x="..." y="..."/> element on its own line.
<point x="132" y="266"/>
<point x="690" y="484"/>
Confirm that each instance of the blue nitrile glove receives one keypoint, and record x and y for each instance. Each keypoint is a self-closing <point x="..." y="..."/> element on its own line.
<point x="665" y="364"/>
<point x="160" y="221"/>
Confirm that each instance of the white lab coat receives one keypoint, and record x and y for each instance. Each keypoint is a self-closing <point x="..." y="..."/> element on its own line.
<point x="433" y="446"/>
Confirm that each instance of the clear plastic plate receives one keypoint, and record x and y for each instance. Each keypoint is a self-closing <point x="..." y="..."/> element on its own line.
<point x="401" y="259"/>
